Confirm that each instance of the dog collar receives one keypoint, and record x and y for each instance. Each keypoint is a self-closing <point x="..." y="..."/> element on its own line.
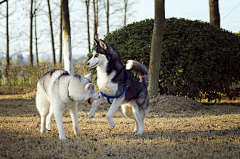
<point x="117" y="96"/>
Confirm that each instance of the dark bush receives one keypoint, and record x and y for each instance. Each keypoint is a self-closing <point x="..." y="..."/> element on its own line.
<point x="199" y="60"/>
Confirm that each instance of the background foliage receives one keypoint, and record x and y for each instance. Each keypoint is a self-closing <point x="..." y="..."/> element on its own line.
<point x="27" y="76"/>
<point x="199" y="60"/>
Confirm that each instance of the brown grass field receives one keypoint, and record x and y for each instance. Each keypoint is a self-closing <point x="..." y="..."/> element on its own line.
<point x="176" y="127"/>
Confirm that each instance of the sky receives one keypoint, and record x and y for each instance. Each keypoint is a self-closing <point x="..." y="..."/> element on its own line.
<point x="193" y="10"/>
<point x="19" y="25"/>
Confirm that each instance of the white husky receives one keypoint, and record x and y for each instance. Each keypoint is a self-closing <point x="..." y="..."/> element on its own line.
<point x="58" y="90"/>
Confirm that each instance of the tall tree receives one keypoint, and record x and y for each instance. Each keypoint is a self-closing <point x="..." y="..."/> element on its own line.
<point x="68" y="64"/>
<point x="87" y="2"/>
<point x="60" y="36"/>
<point x="95" y="12"/>
<point x="156" y="46"/>
<point x="107" y="15"/>
<point x="7" y="46"/>
<point x="51" y="32"/>
<point x="125" y="12"/>
<point x="214" y="12"/>
<point x="126" y="8"/>
<point x="30" y="47"/>
<point x="7" y="37"/>
<point x="36" y="44"/>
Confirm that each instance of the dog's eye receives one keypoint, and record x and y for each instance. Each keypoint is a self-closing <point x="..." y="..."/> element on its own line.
<point x="96" y="55"/>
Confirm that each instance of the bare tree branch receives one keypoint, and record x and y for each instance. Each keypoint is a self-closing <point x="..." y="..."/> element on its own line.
<point x="3" y="1"/>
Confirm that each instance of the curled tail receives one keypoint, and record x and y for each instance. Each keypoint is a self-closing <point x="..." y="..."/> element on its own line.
<point x="140" y="69"/>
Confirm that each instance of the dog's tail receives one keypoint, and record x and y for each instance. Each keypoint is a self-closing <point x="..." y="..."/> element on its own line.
<point x="54" y="76"/>
<point x="140" y="69"/>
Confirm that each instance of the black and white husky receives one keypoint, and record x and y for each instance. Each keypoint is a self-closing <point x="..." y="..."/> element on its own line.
<point x="117" y="86"/>
<point x="57" y="90"/>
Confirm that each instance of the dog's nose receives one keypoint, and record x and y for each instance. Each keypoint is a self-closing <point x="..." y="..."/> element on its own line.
<point x="88" y="63"/>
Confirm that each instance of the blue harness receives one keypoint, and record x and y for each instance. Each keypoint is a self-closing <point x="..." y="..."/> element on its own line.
<point x="117" y="96"/>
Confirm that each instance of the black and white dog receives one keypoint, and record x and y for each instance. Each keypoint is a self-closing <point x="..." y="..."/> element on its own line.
<point x="117" y="86"/>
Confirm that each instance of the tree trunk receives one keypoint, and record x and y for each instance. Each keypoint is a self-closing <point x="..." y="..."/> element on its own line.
<point x="51" y="32"/>
<point x="30" y="49"/>
<point x="214" y="13"/>
<point x="95" y="11"/>
<point x="36" y="47"/>
<point x="7" y="36"/>
<point x="156" y="47"/>
<point x="60" y="37"/>
<point x="7" y="47"/>
<point x="107" y="16"/>
<point x="68" y="64"/>
<point x="87" y="2"/>
<point x="125" y="12"/>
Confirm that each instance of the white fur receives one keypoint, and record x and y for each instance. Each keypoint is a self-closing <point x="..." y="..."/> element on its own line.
<point x="103" y="81"/>
<point x="61" y="94"/>
<point x="129" y="64"/>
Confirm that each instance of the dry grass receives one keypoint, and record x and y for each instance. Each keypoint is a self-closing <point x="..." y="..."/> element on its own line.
<point x="175" y="128"/>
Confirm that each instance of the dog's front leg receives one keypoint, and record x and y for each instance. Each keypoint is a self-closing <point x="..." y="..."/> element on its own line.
<point x="94" y="106"/>
<point x="116" y="103"/>
<point x="58" y="117"/>
<point x="74" y="114"/>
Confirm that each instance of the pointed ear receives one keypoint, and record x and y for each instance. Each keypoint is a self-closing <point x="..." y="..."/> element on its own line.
<point x="96" y="42"/>
<point x="88" y="76"/>
<point x="88" y="86"/>
<point x="103" y="44"/>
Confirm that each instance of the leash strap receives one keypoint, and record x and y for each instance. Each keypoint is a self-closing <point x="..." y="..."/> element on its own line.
<point x="117" y="96"/>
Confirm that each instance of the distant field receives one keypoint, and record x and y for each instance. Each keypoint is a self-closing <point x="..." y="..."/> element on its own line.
<point x="193" y="131"/>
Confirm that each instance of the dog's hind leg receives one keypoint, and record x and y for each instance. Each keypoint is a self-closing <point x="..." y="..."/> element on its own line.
<point x="128" y="112"/>
<point x="94" y="106"/>
<point x="139" y="118"/>
<point x="42" y="105"/>
<point x="49" y="119"/>
<point x="74" y="114"/>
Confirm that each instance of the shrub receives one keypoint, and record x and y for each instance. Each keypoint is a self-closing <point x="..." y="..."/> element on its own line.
<point x="27" y="76"/>
<point x="198" y="60"/>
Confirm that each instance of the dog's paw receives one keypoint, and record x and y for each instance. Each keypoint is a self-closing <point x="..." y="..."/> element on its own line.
<point x="91" y="115"/>
<point x="77" y="133"/>
<point x="135" y="130"/>
<point x="112" y="125"/>
<point x="138" y="133"/>
<point x="63" y="138"/>
<point x="42" y="130"/>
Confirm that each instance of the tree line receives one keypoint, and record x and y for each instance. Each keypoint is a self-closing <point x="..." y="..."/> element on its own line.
<point x="97" y="6"/>
<point x="40" y="13"/>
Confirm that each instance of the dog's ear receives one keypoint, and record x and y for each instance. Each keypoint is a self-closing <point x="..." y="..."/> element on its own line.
<point x="88" y="76"/>
<point x="103" y="44"/>
<point x="96" y="42"/>
<point x="88" y="86"/>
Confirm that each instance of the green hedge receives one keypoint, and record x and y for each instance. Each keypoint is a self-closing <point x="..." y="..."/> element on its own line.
<point x="199" y="60"/>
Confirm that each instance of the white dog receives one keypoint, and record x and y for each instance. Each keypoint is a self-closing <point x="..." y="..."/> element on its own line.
<point x="58" y="90"/>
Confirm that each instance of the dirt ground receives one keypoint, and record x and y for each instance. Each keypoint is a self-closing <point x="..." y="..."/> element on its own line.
<point x="176" y="127"/>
